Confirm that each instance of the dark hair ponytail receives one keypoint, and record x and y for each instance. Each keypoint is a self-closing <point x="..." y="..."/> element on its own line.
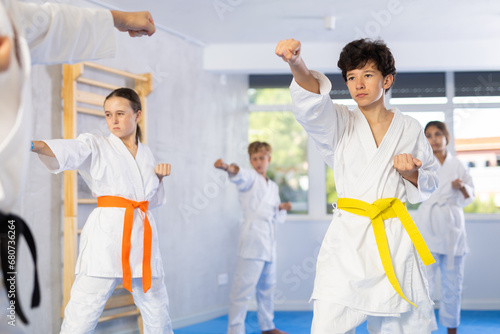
<point x="138" y="133"/>
<point x="135" y="104"/>
<point x="442" y="127"/>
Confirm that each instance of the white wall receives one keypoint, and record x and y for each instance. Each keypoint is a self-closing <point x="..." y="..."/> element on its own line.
<point x="411" y="56"/>
<point x="194" y="117"/>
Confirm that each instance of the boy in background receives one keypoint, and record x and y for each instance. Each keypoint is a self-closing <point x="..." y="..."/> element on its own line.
<point x="256" y="266"/>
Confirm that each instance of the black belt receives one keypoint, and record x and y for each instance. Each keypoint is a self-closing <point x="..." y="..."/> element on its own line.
<point x="11" y="229"/>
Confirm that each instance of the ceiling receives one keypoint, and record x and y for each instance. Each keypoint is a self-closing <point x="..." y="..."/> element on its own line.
<point x="268" y="21"/>
<point x="240" y="35"/>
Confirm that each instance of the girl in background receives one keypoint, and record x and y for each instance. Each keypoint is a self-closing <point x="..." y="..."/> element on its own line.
<point x="442" y="224"/>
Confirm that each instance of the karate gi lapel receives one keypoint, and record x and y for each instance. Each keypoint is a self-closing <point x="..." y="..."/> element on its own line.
<point x="132" y="169"/>
<point x="377" y="163"/>
<point x="258" y="201"/>
<point x="268" y="194"/>
<point x="442" y="193"/>
<point x="365" y="133"/>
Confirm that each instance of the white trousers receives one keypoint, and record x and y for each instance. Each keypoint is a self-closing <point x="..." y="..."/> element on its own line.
<point x="89" y="295"/>
<point x="250" y="275"/>
<point x="332" y="318"/>
<point x="451" y="288"/>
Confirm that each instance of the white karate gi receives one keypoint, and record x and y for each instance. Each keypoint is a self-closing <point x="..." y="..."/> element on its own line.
<point x="109" y="169"/>
<point x="256" y="267"/>
<point x="442" y="224"/>
<point x="349" y="270"/>
<point x="52" y="33"/>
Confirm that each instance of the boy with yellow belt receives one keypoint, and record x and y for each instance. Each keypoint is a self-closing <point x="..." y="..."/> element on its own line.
<point x="368" y="268"/>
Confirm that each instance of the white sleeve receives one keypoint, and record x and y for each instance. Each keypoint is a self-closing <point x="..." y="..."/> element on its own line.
<point x="69" y="153"/>
<point x="159" y="198"/>
<point x="469" y="187"/>
<point x="59" y="33"/>
<point x="427" y="173"/>
<point x="321" y="119"/>
<point x="244" y="179"/>
<point x="280" y="216"/>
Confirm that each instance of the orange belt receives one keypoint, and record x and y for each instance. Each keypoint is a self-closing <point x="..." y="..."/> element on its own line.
<point x="130" y="206"/>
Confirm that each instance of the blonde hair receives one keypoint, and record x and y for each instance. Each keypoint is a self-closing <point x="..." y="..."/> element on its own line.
<point x="257" y="146"/>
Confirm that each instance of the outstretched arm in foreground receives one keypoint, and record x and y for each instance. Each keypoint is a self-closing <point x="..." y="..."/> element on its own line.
<point x="289" y="51"/>
<point x="135" y="23"/>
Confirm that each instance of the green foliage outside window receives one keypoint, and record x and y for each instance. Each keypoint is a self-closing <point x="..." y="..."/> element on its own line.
<point x="288" y="166"/>
<point x="269" y="96"/>
<point x="482" y="206"/>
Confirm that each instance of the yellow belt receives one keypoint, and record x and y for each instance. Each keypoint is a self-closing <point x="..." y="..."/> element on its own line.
<point x="380" y="210"/>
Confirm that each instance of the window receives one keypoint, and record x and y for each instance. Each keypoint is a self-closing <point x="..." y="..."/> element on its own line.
<point x="476" y="123"/>
<point x="289" y="165"/>
<point x="424" y="117"/>
<point x="476" y="115"/>
<point x="269" y="96"/>
<point x="422" y="86"/>
<point x="477" y="142"/>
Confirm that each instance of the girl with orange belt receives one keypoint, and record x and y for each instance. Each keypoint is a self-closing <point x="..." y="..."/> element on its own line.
<point x="119" y="240"/>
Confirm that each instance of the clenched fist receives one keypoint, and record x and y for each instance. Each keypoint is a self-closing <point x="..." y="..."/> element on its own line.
<point x="457" y="184"/>
<point x="137" y="24"/>
<point x="289" y="51"/>
<point x="162" y="170"/>
<point x="232" y="169"/>
<point x="285" y="206"/>
<point x="408" y="166"/>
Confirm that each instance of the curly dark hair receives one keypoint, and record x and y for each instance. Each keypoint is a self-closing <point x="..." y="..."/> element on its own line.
<point x="358" y="53"/>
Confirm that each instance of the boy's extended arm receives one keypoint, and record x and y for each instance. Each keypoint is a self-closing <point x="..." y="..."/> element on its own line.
<point x="289" y="51"/>
<point x="135" y="23"/>
<point x="46" y="23"/>
<point x="231" y="169"/>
